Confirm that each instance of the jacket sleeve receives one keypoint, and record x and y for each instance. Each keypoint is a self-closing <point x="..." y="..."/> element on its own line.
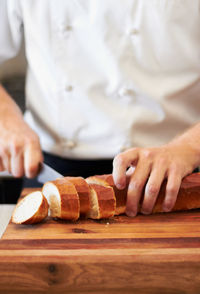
<point x="11" y="29"/>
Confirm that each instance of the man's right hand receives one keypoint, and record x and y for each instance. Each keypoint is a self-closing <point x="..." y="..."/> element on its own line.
<point x="20" y="151"/>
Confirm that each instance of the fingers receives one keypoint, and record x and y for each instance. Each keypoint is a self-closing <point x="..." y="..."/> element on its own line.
<point x="130" y="171"/>
<point x="21" y="157"/>
<point x="32" y="159"/>
<point x="5" y="158"/>
<point x="147" y="168"/>
<point x="136" y="186"/>
<point x="120" y="164"/>
<point x="152" y="188"/>
<point x="1" y="166"/>
<point x="172" y="189"/>
<point x="17" y="165"/>
<point x="16" y="159"/>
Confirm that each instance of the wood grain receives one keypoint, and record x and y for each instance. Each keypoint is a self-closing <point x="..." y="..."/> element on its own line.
<point x="147" y="255"/>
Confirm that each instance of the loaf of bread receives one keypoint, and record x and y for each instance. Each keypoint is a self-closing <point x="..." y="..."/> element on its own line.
<point x="188" y="196"/>
<point x="83" y="191"/>
<point x="102" y="202"/>
<point x="96" y="198"/>
<point x="63" y="199"/>
<point x="32" y="209"/>
<point x="107" y="181"/>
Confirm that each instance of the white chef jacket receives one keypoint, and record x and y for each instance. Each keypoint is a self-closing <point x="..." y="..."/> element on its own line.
<point x="105" y="75"/>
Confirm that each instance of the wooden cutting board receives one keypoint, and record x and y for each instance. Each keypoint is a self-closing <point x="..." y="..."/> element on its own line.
<point x="146" y="254"/>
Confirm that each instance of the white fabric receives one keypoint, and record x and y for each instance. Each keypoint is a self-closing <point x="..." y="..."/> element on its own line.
<point x="104" y="75"/>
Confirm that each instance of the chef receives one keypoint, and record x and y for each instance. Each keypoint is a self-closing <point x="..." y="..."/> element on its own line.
<point x="105" y="79"/>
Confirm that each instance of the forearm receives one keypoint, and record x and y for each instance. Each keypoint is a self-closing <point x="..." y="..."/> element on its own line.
<point x="8" y="107"/>
<point x="191" y="139"/>
<point x="20" y="151"/>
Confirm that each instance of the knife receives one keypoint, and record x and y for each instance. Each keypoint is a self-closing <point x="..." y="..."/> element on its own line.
<point x="45" y="174"/>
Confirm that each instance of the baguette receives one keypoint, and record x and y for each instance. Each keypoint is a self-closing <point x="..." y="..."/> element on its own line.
<point x="97" y="199"/>
<point x="83" y="191"/>
<point x="107" y="181"/>
<point x="102" y="202"/>
<point x="63" y="199"/>
<point x="33" y="208"/>
<point x="188" y="195"/>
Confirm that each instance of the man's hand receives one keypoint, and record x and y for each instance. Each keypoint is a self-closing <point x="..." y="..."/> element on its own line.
<point x="20" y="152"/>
<point x="151" y="166"/>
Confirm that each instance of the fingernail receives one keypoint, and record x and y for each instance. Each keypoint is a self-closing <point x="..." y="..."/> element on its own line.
<point x="167" y="208"/>
<point x="130" y="213"/>
<point x="120" y="186"/>
<point x="143" y="211"/>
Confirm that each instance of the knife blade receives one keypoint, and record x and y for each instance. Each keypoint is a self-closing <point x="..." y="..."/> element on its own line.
<point x="45" y="174"/>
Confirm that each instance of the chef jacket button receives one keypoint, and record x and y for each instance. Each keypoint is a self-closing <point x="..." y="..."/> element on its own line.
<point x="70" y="144"/>
<point x="68" y="28"/>
<point x="125" y="92"/>
<point x="65" y="29"/>
<point x="68" y="88"/>
<point x="134" y="32"/>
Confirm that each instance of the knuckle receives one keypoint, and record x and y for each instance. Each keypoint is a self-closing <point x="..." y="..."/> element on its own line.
<point x="118" y="160"/>
<point x="132" y="150"/>
<point x="148" y="153"/>
<point x="33" y="139"/>
<point x="16" y="146"/>
<point x="171" y="190"/>
<point x="136" y="185"/>
<point x="174" y="169"/>
<point x="4" y="150"/>
<point x="152" y="189"/>
<point x="162" y="161"/>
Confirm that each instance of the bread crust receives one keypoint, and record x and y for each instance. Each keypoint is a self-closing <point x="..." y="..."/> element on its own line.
<point x="83" y="191"/>
<point x="106" y="200"/>
<point x="188" y="195"/>
<point x="71" y="189"/>
<point x="69" y="200"/>
<point x="120" y="195"/>
<point x="40" y="214"/>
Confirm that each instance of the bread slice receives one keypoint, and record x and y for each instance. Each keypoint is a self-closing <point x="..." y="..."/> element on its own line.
<point x="33" y="208"/>
<point x="107" y="181"/>
<point x="102" y="202"/>
<point x="188" y="196"/>
<point x="62" y="198"/>
<point x="83" y="191"/>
